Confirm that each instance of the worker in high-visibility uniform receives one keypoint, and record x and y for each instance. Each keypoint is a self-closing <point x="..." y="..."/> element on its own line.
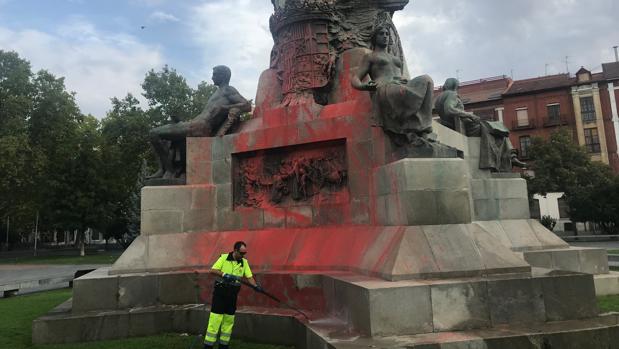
<point x="230" y="268"/>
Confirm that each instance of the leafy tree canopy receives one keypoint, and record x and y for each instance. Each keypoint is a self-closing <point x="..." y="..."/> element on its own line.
<point x="561" y="165"/>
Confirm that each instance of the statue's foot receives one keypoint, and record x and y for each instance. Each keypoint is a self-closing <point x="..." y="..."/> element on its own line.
<point x="169" y="175"/>
<point x="430" y="137"/>
<point x="157" y="174"/>
<point x="517" y="163"/>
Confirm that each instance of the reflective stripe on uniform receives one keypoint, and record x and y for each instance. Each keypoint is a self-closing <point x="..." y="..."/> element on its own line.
<point x="214" y="323"/>
<point x="226" y="329"/>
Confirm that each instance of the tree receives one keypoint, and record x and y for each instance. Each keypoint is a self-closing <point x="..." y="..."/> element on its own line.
<point x="200" y="97"/>
<point x="599" y="204"/>
<point x="561" y="165"/>
<point x="125" y="151"/>
<point x="18" y="161"/>
<point x="168" y="95"/>
<point x="71" y="170"/>
<point x="54" y="135"/>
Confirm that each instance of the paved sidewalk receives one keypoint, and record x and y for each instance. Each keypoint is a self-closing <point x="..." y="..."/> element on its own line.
<point x="28" y="278"/>
<point x="609" y="245"/>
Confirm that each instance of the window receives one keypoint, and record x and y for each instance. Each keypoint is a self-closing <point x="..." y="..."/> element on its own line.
<point x="522" y="117"/>
<point x="554" y="111"/>
<point x="485" y="114"/>
<point x="499" y="114"/>
<point x="592" y="140"/>
<point x="584" y="77"/>
<point x="564" y="208"/>
<point x="525" y="143"/>
<point x="587" y="109"/>
<point x="534" y="209"/>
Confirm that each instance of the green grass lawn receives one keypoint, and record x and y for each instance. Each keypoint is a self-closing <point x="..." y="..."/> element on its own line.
<point x="613" y="251"/>
<point x="17" y="314"/>
<point x="99" y="258"/>
<point x="608" y="303"/>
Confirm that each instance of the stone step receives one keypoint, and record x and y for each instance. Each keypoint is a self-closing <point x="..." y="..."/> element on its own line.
<point x="379" y="308"/>
<point x="579" y="259"/>
<point x="600" y="332"/>
<point x="606" y="284"/>
<point x="373" y="306"/>
<point x="284" y="327"/>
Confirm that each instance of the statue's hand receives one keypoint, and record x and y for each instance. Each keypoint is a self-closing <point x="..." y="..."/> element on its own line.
<point x="472" y="117"/>
<point x="370" y="85"/>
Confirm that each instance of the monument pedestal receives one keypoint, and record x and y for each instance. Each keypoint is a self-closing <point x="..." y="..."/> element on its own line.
<point x="379" y="250"/>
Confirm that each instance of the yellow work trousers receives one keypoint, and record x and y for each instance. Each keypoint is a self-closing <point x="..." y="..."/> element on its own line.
<point x="215" y="323"/>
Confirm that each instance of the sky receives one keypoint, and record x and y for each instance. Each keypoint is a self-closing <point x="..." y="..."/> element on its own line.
<point x="104" y="48"/>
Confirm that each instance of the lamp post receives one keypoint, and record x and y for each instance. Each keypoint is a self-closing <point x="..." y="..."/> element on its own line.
<point x="36" y="233"/>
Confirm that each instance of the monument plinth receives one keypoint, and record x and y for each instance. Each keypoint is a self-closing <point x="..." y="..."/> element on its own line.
<point x="387" y="250"/>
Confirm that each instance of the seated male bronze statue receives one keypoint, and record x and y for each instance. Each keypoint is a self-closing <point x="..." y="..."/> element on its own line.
<point x="221" y="112"/>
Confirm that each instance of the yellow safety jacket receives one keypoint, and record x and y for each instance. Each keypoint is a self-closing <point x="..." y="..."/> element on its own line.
<point x="227" y="265"/>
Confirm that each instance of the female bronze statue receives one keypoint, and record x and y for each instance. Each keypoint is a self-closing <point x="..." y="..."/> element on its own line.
<point x="403" y="108"/>
<point x="497" y="153"/>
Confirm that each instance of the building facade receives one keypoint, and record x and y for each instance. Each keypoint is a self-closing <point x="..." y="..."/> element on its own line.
<point x="587" y="104"/>
<point x="484" y="97"/>
<point x="609" y="95"/>
<point x="536" y="108"/>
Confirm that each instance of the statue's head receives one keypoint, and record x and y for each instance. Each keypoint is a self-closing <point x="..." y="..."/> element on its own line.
<point x="221" y="75"/>
<point x="451" y="84"/>
<point x="381" y="36"/>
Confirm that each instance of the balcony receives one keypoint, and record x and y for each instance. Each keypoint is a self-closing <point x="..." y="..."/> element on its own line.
<point x="558" y="120"/>
<point x="520" y="126"/>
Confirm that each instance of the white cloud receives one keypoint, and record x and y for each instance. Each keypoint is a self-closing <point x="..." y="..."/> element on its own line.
<point x="161" y="16"/>
<point x="234" y="33"/>
<point x="97" y="65"/>
<point x="479" y="38"/>
<point x="472" y="39"/>
<point x="487" y="37"/>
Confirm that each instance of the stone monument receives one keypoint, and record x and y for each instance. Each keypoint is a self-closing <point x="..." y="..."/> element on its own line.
<point x="382" y="250"/>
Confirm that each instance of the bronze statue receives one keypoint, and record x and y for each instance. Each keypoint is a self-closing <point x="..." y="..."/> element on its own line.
<point x="221" y="112"/>
<point x="403" y="108"/>
<point x="497" y="152"/>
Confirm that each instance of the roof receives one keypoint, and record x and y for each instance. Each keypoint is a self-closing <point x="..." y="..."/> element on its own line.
<point x="611" y="70"/>
<point x="550" y="82"/>
<point x="582" y="70"/>
<point x="482" y="90"/>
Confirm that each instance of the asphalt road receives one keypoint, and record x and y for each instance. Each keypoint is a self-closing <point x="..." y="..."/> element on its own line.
<point x="34" y="278"/>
